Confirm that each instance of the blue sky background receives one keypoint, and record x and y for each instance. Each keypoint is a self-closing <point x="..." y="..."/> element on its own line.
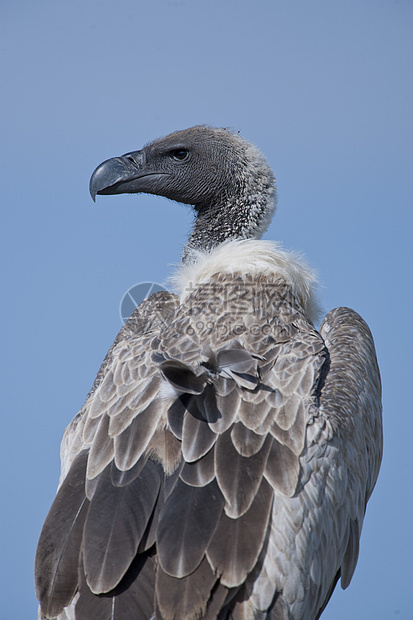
<point x="324" y="88"/>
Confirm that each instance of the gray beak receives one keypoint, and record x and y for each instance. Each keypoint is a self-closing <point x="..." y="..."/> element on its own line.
<point x="119" y="175"/>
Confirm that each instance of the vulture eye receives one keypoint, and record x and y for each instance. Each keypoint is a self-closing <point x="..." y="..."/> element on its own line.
<point x="179" y="154"/>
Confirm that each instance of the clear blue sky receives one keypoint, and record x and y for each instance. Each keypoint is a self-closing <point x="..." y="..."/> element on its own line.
<point x="324" y="88"/>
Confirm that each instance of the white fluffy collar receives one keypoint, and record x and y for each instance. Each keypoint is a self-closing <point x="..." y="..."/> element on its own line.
<point x="250" y="256"/>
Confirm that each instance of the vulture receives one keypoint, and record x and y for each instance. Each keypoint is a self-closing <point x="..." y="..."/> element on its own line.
<point x="221" y="465"/>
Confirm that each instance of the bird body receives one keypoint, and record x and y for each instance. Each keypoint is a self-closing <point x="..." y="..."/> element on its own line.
<point x="222" y="462"/>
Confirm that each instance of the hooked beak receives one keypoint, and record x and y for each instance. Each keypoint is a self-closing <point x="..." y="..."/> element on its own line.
<point x="123" y="175"/>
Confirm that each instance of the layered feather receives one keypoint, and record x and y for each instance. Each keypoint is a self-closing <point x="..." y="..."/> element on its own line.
<point x="60" y="542"/>
<point x="205" y="454"/>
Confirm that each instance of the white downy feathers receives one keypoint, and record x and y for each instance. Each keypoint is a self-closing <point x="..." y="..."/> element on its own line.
<point x="250" y="256"/>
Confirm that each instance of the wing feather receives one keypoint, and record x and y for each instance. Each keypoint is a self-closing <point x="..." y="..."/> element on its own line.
<point x="252" y="414"/>
<point x="237" y="543"/>
<point x="133" y="598"/>
<point x="116" y="521"/>
<point x="239" y="477"/>
<point x="294" y="436"/>
<point x="246" y="442"/>
<point x="186" y="525"/>
<point x="60" y="541"/>
<point x="228" y="407"/>
<point x="282" y="468"/>
<point x="130" y="445"/>
<point x="102" y="450"/>
<point x="197" y="436"/>
<point x="121" y="478"/>
<point x="137" y="402"/>
<point x="199" y="473"/>
<point x="185" y="598"/>
<point x="176" y="414"/>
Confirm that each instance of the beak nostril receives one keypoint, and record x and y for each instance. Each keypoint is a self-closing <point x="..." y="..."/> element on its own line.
<point x="135" y="159"/>
<point x="131" y="161"/>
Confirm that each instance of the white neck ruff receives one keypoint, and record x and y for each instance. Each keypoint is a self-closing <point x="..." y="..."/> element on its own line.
<point x="250" y="256"/>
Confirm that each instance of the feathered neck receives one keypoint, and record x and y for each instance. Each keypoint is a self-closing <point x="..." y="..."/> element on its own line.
<point x="244" y="211"/>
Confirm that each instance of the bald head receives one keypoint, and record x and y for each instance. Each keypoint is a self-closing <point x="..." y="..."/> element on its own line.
<point x="223" y="176"/>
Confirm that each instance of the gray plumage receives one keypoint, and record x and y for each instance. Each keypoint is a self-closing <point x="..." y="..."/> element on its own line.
<point x="224" y="457"/>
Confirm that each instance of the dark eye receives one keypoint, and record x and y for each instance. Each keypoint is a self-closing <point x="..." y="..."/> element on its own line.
<point x="179" y="154"/>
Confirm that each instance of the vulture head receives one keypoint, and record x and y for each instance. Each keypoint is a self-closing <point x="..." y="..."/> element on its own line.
<point x="225" y="178"/>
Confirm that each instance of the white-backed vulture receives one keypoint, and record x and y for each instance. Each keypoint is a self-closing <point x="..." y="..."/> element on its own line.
<point x="222" y="462"/>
